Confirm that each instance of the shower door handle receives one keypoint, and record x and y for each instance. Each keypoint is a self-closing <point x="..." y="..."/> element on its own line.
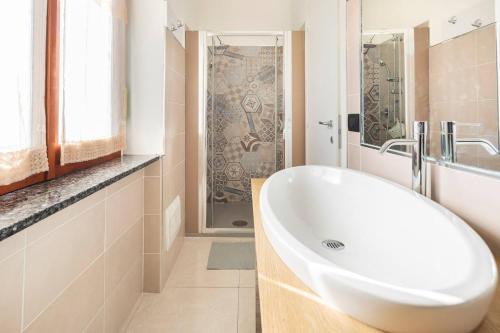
<point x="328" y="123"/>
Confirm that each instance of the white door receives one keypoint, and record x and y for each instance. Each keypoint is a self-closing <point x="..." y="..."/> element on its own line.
<point x="322" y="83"/>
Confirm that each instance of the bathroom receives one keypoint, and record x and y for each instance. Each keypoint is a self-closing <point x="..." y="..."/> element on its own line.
<point x="225" y="166"/>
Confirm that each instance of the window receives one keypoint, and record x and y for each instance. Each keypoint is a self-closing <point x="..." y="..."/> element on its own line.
<point x="23" y="150"/>
<point x="92" y="62"/>
<point x="62" y="88"/>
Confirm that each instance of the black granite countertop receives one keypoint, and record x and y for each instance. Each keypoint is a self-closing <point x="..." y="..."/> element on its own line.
<point x="25" y="207"/>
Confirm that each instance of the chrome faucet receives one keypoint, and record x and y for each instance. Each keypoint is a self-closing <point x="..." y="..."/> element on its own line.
<point x="449" y="142"/>
<point x="418" y="155"/>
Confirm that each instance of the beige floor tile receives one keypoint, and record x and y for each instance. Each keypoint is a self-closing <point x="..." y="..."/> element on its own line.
<point x="190" y="269"/>
<point x="188" y="310"/>
<point x="247" y="278"/>
<point x="246" y="310"/>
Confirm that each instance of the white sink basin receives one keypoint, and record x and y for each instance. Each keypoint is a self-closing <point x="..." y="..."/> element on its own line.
<point x="408" y="264"/>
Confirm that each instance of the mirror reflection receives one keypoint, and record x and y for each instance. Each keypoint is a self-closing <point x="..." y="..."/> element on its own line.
<point x="383" y="86"/>
<point x="433" y="61"/>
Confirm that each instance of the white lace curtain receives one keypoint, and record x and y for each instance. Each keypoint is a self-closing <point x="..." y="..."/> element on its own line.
<point x="93" y="51"/>
<point x="23" y="150"/>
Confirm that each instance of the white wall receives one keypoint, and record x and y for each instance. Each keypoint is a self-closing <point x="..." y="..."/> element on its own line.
<point x="240" y="15"/>
<point x="146" y="40"/>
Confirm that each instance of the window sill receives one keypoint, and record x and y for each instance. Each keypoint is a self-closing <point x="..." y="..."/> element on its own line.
<point x="25" y="207"/>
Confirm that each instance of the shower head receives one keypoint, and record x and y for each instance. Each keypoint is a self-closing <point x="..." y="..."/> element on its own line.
<point x="382" y="63"/>
<point x="368" y="46"/>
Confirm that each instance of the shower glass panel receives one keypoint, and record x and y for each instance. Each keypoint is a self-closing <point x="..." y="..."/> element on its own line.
<point x="383" y="88"/>
<point x="245" y="113"/>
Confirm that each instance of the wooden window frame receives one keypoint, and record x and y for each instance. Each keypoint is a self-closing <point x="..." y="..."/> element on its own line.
<point x="52" y="72"/>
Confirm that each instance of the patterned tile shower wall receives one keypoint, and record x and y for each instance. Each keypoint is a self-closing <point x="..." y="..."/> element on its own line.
<point x="245" y="129"/>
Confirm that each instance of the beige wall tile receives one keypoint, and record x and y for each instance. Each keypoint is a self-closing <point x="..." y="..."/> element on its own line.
<point x="175" y="183"/>
<point x="191" y="129"/>
<point x="389" y="166"/>
<point x="169" y="257"/>
<point x="123" y="209"/>
<point x="120" y="257"/>
<point x="11" y="291"/>
<point x="487" y="44"/>
<point x="121" y="303"/>
<point x="175" y="53"/>
<point x="488" y="114"/>
<point x="50" y="223"/>
<point x="354" y="26"/>
<point x="464" y="51"/>
<point x="353" y="103"/>
<point x="175" y="87"/>
<point x="115" y="187"/>
<point x="152" y="195"/>
<point x="353" y="138"/>
<point x="353" y="157"/>
<point x="97" y="323"/>
<point x="175" y="152"/>
<point x="487" y="81"/>
<point x="12" y="245"/>
<point x="298" y="99"/>
<point x="58" y="258"/>
<point x="463" y="85"/>
<point x="472" y="197"/>
<point x="152" y="273"/>
<point x="153" y="170"/>
<point x="175" y="120"/>
<point x="73" y="310"/>
<point x="152" y="233"/>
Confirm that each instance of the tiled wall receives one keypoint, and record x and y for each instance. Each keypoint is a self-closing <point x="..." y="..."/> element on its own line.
<point x="463" y="87"/>
<point x="174" y="161"/>
<point x="473" y="197"/>
<point x="79" y="269"/>
<point x="242" y="130"/>
<point x="298" y="99"/>
<point x="192" y="135"/>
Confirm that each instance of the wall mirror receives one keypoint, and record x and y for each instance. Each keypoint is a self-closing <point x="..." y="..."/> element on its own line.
<point x="432" y="60"/>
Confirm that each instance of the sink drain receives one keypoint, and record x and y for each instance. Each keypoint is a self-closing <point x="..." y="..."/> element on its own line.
<point x="240" y="223"/>
<point x="333" y="244"/>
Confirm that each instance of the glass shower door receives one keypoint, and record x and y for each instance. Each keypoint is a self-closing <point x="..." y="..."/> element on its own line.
<point x="244" y="123"/>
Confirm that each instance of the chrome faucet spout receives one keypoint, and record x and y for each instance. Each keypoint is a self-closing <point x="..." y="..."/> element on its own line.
<point x="418" y="155"/>
<point x="396" y="142"/>
<point x="449" y="142"/>
<point x="487" y="145"/>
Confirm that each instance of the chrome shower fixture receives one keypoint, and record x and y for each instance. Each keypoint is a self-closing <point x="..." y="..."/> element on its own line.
<point x="369" y="45"/>
<point x="175" y="27"/>
<point x="477" y="23"/>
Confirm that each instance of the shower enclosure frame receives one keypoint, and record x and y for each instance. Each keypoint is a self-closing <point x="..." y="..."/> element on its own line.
<point x="202" y="117"/>
<point x="409" y="75"/>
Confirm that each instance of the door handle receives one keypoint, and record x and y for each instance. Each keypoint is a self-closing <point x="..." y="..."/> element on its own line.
<point x="328" y="123"/>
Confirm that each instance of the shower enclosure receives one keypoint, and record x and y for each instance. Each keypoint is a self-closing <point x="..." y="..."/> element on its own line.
<point x="383" y="56"/>
<point x="244" y="123"/>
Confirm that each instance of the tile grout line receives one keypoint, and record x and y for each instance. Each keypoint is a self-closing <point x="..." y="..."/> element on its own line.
<point x="24" y="280"/>
<point x="94" y="317"/>
<point x="85" y="270"/>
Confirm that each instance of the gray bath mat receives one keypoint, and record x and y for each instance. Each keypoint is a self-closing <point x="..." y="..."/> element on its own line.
<point x="231" y="256"/>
